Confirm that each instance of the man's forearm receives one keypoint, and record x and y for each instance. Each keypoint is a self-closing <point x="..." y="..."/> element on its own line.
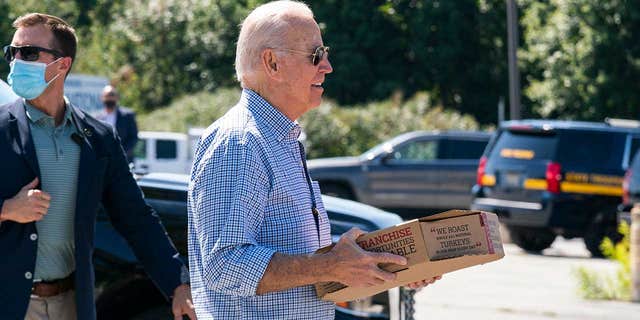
<point x="286" y="272"/>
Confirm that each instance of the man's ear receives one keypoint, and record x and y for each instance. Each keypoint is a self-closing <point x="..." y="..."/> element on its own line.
<point x="65" y="64"/>
<point x="270" y="64"/>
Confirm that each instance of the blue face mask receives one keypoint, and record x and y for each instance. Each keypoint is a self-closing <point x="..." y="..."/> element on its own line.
<point x="27" y="78"/>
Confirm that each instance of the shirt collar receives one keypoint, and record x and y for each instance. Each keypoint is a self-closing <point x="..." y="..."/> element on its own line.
<point x="279" y="125"/>
<point x="36" y="115"/>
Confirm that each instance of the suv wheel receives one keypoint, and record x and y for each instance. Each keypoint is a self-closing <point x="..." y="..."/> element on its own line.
<point x="530" y="238"/>
<point x="597" y="231"/>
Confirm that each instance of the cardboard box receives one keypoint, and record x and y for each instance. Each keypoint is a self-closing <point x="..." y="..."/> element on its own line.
<point x="433" y="245"/>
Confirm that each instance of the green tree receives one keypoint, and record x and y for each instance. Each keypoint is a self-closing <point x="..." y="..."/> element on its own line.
<point x="582" y="58"/>
<point x="164" y="49"/>
<point x="6" y="33"/>
<point x="367" y="50"/>
<point x="81" y="14"/>
<point x="453" y="49"/>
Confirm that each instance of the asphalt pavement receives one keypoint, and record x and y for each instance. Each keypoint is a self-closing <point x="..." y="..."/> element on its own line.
<point x="523" y="286"/>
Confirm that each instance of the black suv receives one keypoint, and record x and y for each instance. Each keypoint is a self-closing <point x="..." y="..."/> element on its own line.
<point x="546" y="178"/>
<point x="124" y="291"/>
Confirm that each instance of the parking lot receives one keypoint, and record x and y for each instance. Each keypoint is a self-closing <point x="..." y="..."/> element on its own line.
<point x="523" y="286"/>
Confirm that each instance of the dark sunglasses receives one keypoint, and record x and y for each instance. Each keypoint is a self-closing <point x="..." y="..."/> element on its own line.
<point x="316" y="56"/>
<point x="27" y="53"/>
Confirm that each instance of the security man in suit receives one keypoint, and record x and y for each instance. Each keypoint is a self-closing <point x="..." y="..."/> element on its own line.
<point x="58" y="164"/>
<point x="121" y="118"/>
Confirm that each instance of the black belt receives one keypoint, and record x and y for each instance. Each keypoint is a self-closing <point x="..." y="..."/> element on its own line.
<point x="52" y="288"/>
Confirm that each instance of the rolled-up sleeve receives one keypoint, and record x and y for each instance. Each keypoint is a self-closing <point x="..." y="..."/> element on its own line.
<point x="228" y="193"/>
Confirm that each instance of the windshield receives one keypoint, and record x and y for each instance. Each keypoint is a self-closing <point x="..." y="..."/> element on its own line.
<point x="524" y="146"/>
<point x="385" y="147"/>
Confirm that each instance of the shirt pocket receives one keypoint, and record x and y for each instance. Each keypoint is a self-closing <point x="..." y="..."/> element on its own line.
<point x="324" y="224"/>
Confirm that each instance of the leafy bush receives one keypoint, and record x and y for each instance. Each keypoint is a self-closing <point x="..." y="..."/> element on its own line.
<point x="335" y="131"/>
<point x="595" y="286"/>
<point x="197" y="110"/>
<point x="331" y="130"/>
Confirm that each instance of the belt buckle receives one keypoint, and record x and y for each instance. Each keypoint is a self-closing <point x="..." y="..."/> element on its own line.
<point x="33" y="285"/>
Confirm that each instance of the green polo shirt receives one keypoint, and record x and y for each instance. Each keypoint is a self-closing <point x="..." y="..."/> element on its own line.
<point x="58" y="159"/>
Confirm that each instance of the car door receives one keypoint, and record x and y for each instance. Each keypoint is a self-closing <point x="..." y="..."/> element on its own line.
<point x="171" y="205"/>
<point x="407" y="177"/>
<point x="458" y="159"/>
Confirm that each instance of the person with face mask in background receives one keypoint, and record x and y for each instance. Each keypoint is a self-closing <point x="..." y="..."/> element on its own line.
<point x="121" y="118"/>
<point x="58" y="165"/>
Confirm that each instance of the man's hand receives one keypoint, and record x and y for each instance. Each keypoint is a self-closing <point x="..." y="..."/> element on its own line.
<point x="182" y="303"/>
<point x="421" y="284"/>
<point x="27" y="205"/>
<point x="353" y="266"/>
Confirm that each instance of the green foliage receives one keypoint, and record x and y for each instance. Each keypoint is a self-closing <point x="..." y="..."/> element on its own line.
<point x="197" y="110"/>
<point x="579" y="59"/>
<point x="331" y="130"/>
<point x="593" y="285"/>
<point x="6" y="33"/>
<point x="583" y="58"/>
<point x="336" y="131"/>
<point x="453" y="49"/>
<point x="165" y="49"/>
<point x="83" y="15"/>
<point x="155" y="51"/>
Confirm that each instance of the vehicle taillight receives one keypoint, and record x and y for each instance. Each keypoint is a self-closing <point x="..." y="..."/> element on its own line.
<point x="625" y="186"/>
<point x="481" y="170"/>
<point x="553" y="177"/>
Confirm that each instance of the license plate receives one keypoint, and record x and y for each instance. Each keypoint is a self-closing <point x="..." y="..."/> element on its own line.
<point x="512" y="179"/>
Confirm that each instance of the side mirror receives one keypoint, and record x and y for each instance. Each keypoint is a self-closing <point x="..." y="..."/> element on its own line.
<point x="387" y="158"/>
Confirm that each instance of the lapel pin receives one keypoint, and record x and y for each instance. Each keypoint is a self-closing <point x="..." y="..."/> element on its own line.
<point x="87" y="132"/>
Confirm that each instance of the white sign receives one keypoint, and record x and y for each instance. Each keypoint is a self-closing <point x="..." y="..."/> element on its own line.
<point x="6" y="94"/>
<point x="84" y="91"/>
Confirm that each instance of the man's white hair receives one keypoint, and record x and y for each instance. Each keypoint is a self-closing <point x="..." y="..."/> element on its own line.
<point x="265" y="27"/>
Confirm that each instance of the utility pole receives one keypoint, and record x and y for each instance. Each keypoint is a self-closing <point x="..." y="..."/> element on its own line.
<point x="500" y="110"/>
<point x="514" y="74"/>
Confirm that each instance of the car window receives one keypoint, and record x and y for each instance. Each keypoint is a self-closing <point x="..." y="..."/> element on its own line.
<point x="416" y="151"/>
<point x="635" y="163"/>
<point x="592" y="149"/>
<point x="635" y="143"/>
<point x="140" y="150"/>
<point x="166" y="149"/>
<point x="461" y="149"/>
<point x="523" y="146"/>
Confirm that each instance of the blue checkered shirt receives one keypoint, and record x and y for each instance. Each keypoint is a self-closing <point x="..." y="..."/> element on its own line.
<point x="249" y="198"/>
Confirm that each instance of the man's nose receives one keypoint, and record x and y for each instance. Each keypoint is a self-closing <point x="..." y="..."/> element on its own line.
<point x="325" y="65"/>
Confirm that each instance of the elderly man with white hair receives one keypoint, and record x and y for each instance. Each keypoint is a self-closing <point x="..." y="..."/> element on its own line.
<point x="255" y="216"/>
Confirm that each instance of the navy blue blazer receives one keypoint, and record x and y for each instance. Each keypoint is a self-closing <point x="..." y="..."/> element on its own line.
<point x="126" y="128"/>
<point x="103" y="177"/>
